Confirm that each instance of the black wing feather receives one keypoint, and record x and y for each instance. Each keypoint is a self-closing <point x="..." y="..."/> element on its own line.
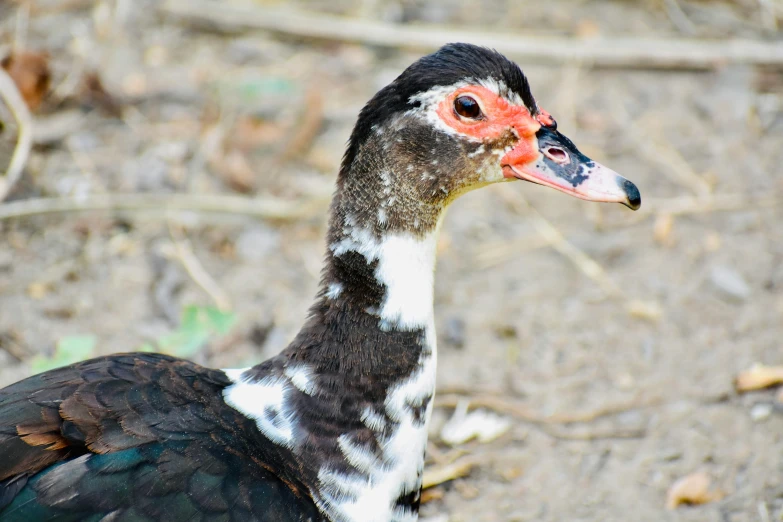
<point x="142" y="437"/>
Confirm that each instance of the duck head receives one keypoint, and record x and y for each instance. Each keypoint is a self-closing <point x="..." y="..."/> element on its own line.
<point x="456" y="120"/>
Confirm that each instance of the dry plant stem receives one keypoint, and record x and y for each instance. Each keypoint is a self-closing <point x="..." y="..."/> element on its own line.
<point x="306" y="129"/>
<point x="10" y="95"/>
<point x="494" y="254"/>
<point x="710" y="203"/>
<point x="440" y="474"/>
<point x="521" y="412"/>
<point x="59" y="7"/>
<point x="664" y="53"/>
<point x="652" y="144"/>
<point x="260" y="207"/>
<point x="195" y="269"/>
<point x="623" y="433"/>
<point x="548" y="231"/>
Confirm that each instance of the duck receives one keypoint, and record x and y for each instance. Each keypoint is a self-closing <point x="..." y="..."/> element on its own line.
<point x="334" y="427"/>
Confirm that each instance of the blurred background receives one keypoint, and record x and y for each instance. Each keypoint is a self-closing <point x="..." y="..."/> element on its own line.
<point x="168" y="192"/>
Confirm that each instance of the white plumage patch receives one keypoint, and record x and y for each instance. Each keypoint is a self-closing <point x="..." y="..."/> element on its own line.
<point x="264" y="401"/>
<point x="359" y="457"/>
<point x="406" y="266"/>
<point x="334" y="290"/>
<point x="373" y="420"/>
<point x="302" y="377"/>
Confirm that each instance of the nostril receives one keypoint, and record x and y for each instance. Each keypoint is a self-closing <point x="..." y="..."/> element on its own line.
<point x="557" y="155"/>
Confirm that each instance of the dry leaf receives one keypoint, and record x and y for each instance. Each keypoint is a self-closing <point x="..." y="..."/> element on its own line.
<point x="662" y="230"/>
<point x="235" y="169"/>
<point x="758" y="377"/>
<point x="95" y="94"/>
<point x="30" y="72"/>
<point x="647" y="310"/>
<point x="691" y="489"/>
<point x="251" y="133"/>
<point x="306" y="129"/>
<point x="38" y="290"/>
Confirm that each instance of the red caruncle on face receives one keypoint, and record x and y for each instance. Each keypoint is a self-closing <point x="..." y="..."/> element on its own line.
<point x="498" y="117"/>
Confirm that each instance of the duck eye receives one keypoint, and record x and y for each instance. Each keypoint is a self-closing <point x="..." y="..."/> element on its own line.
<point x="467" y="107"/>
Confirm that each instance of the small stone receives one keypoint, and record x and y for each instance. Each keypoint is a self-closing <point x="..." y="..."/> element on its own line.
<point x="761" y="412"/>
<point x="454" y="332"/>
<point x="730" y="282"/>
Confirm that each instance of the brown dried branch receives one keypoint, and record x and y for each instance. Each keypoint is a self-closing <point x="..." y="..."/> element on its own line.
<point x="664" y="53"/>
<point x="439" y="474"/>
<point x="24" y="142"/>
<point x="521" y="412"/>
<point x="261" y="207"/>
<point x="194" y="268"/>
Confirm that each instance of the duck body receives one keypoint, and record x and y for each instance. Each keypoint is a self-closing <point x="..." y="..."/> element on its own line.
<point x="335" y="426"/>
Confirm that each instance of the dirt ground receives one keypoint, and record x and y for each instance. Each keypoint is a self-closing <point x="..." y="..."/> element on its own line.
<point x="641" y="359"/>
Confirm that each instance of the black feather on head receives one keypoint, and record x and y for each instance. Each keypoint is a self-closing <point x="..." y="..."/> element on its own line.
<point x="448" y="65"/>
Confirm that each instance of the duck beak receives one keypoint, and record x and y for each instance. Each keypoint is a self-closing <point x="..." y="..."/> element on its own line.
<point x="560" y="165"/>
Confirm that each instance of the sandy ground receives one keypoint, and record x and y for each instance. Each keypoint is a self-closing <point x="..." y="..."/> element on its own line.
<point x="691" y="296"/>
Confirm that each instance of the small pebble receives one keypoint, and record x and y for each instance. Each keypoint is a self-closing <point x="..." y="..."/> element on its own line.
<point x="730" y="282"/>
<point x="761" y="412"/>
<point x="454" y="332"/>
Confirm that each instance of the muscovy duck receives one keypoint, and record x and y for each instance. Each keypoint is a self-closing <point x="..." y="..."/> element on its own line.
<point x="335" y="426"/>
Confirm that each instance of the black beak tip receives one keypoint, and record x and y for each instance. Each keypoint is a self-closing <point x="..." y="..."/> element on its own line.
<point x="632" y="193"/>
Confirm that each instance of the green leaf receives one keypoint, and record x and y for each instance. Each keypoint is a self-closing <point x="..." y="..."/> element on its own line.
<point x="69" y="350"/>
<point x="198" y="325"/>
<point x="222" y="321"/>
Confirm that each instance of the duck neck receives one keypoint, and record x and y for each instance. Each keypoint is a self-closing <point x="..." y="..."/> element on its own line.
<point x="351" y="395"/>
<point x="374" y="309"/>
<point x="373" y="314"/>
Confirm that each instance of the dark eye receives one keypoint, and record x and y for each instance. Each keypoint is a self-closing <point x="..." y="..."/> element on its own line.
<point x="467" y="107"/>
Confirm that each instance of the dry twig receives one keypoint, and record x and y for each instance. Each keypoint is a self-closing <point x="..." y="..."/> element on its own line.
<point x="609" y="52"/>
<point x="13" y="99"/>
<point x="553" y="236"/>
<point x="652" y="144"/>
<point x="261" y="207"/>
<point x="457" y="469"/>
<point x="196" y="270"/>
<point x="707" y="204"/>
<point x="648" y="310"/>
<point x="521" y="412"/>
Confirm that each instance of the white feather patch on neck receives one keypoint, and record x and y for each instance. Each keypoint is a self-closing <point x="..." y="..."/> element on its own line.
<point x="406" y="267"/>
